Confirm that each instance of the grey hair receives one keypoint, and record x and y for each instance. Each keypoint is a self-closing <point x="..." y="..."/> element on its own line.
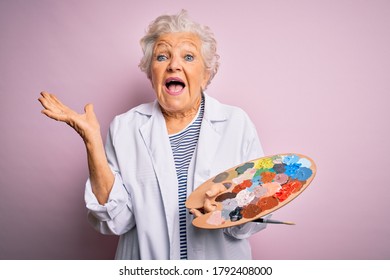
<point x="179" y="23"/>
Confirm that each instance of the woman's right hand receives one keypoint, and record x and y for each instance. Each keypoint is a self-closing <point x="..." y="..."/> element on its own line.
<point x="86" y="125"/>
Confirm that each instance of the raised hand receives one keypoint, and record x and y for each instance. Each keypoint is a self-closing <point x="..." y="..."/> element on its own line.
<point x="86" y="125"/>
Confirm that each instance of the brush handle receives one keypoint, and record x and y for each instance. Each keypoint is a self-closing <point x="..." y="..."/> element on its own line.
<point x="269" y="221"/>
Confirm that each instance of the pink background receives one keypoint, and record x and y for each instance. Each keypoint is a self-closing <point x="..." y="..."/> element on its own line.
<point x="313" y="76"/>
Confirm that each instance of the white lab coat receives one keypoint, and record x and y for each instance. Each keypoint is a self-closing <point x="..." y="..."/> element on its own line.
<point x="143" y="205"/>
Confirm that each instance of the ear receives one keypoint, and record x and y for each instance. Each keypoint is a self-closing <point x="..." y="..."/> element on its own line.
<point x="151" y="80"/>
<point x="206" y="79"/>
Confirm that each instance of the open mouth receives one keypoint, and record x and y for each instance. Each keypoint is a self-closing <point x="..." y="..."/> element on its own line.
<point x="174" y="85"/>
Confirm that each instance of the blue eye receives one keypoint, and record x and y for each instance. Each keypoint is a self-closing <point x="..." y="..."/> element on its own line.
<point x="189" y="57"/>
<point x="161" y="57"/>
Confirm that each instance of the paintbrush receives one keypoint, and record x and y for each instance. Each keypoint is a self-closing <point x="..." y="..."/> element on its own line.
<point x="269" y="221"/>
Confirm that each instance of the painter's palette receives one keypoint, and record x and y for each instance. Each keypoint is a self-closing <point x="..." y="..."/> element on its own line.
<point x="253" y="189"/>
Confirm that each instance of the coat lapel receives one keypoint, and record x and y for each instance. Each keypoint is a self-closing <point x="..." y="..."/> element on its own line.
<point x="209" y="140"/>
<point x="155" y="136"/>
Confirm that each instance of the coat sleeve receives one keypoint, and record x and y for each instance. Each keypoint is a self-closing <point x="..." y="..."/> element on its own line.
<point x="115" y="216"/>
<point x="252" y="149"/>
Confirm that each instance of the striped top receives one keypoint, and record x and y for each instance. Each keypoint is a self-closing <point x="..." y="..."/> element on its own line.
<point x="183" y="146"/>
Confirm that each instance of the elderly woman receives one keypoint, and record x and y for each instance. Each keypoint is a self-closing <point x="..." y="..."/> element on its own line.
<point x="157" y="153"/>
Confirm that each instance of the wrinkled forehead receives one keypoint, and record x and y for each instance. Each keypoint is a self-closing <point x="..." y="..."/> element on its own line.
<point x="178" y="40"/>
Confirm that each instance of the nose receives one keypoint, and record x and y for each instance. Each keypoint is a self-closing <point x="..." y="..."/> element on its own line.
<point x="174" y="64"/>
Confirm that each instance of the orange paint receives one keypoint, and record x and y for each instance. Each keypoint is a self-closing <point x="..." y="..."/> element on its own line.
<point x="242" y="186"/>
<point x="250" y="211"/>
<point x="268" y="202"/>
<point x="267" y="177"/>
<point x="287" y="189"/>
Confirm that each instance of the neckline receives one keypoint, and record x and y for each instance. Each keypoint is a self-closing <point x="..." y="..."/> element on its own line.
<point x="192" y="121"/>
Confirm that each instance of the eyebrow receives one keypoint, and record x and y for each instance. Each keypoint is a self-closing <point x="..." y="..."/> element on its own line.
<point x="167" y="44"/>
<point x="161" y="46"/>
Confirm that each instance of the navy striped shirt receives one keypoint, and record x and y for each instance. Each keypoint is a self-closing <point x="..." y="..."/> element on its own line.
<point x="183" y="146"/>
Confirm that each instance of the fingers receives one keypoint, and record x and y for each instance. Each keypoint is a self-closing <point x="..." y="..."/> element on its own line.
<point x="196" y="213"/>
<point x="54" y="108"/>
<point x="44" y="100"/>
<point x="51" y="103"/>
<point x="52" y="115"/>
<point x="215" y="190"/>
<point x="49" y="98"/>
<point x="209" y="206"/>
<point x="209" y="203"/>
<point x="56" y="101"/>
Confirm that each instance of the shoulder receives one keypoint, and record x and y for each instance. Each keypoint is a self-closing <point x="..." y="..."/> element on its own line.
<point x="134" y="117"/>
<point x="216" y="111"/>
<point x="230" y="121"/>
<point x="145" y="109"/>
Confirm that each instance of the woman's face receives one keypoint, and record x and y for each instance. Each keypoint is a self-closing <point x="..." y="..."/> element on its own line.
<point x="178" y="72"/>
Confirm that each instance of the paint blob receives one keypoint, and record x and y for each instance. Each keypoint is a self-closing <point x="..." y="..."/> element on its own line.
<point x="247" y="175"/>
<point x="302" y="174"/>
<point x="290" y="159"/>
<point x="244" y="197"/>
<point x="279" y="168"/>
<point x="260" y="191"/>
<point x="304" y="162"/>
<point x="251" y="210"/>
<point x="277" y="159"/>
<point x="227" y="185"/>
<point x="236" y="215"/>
<point x="241" y="169"/>
<point x="224" y="196"/>
<point x="229" y="204"/>
<point x="272" y="188"/>
<point x="291" y="169"/>
<point x="221" y="177"/>
<point x="281" y="178"/>
<point x="216" y="218"/>
<point x="267" y="177"/>
<point x="268" y="202"/>
<point x="287" y="190"/>
<point x="245" y="184"/>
